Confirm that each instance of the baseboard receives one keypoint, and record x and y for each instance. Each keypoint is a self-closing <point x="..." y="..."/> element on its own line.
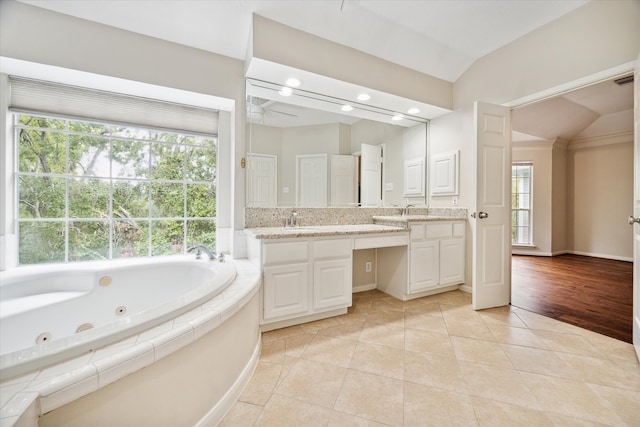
<point x="613" y="257"/>
<point x="530" y="253"/>
<point x="302" y="319"/>
<point x="465" y="288"/>
<point x="362" y="288"/>
<point x="218" y="412"/>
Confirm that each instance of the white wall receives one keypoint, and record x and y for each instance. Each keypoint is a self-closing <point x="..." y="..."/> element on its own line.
<point x="278" y="43"/>
<point x="319" y="139"/>
<point x="592" y="40"/>
<point x="37" y="35"/>
<point x="600" y="198"/>
<point x="559" y="198"/>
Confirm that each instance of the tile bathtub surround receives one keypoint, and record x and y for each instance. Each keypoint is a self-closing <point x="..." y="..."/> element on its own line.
<point x="272" y="217"/>
<point x="436" y="361"/>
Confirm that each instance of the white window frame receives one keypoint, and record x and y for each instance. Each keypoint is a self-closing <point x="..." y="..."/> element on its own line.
<point x="68" y="177"/>
<point x="530" y="165"/>
<point x="8" y="209"/>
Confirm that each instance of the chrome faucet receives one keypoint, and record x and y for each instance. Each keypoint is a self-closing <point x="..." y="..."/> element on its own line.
<point x="292" y="221"/>
<point x="405" y="210"/>
<point x="200" y="250"/>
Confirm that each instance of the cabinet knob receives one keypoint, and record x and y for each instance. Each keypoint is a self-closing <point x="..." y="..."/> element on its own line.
<point x="633" y="219"/>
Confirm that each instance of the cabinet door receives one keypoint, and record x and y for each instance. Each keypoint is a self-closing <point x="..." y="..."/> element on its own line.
<point x="285" y="290"/>
<point x="451" y="261"/>
<point x="423" y="266"/>
<point x="332" y="283"/>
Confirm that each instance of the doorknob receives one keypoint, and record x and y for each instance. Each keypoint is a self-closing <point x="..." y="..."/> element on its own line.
<point x="633" y="220"/>
<point x="481" y="215"/>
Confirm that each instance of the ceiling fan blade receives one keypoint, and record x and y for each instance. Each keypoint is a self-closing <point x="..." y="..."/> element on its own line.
<point x="282" y="112"/>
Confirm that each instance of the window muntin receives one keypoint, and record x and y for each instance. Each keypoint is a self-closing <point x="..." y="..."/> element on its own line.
<point x="89" y="190"/>
<point x="521" y="206"/>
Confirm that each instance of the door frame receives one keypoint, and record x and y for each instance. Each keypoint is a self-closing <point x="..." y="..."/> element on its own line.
<point x="608" y="74"/>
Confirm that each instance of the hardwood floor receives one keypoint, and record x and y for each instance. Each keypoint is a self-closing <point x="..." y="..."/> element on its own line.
<point x="593" y="293"/>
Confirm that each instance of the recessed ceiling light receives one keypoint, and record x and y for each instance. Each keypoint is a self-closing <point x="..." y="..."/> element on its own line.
<point x="397" y="117"/>
<point x="285" y="91"/>
<point x="346" y="108"/>
<point x="292" y="82"/>
<point x="364" y="97"/>
<point x="413" y="110"/>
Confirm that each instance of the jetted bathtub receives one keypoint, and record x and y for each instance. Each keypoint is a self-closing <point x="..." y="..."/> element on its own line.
<point x="52" y="313"/>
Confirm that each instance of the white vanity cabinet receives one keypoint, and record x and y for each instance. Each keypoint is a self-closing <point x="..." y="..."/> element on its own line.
<point x="304" y="279"/>
<point x="436" y="255"/>
<point x="286" y="279"/>
<point x="332" y="273"/>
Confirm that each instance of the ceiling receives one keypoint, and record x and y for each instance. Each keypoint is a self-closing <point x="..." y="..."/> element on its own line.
<point x="441" y="38"/>
<point x="444" y="32"/>
<point x="605" y="108"/>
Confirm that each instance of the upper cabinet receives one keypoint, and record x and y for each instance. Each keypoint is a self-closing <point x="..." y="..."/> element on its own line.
<point x="444" y="174"/>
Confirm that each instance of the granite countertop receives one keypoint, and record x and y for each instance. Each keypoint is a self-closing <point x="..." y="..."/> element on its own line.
<point x="321" y="230"/>
<point x="404" y="220"/>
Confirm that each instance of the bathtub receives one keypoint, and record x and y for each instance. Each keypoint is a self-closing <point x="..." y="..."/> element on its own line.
<point x="199" y="361"/>
<point x="52" y="313"/>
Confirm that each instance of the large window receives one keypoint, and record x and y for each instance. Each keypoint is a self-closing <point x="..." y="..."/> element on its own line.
<point x="521" y="207"/>
<point x="88" y="190"/>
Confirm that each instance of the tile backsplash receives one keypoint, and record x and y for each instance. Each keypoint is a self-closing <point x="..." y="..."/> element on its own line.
<point x="273" y="217"/>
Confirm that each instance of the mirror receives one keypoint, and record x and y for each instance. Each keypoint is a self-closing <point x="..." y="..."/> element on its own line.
<point x="305" y="150"/>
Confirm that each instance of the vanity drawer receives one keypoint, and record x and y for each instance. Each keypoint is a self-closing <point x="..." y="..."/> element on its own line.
<point x="336" y="248"/>
<point x="285" y="252"/>
<point x="439" y="230"/>
<point x="417" y="231"/>
<point x="458" y="229"/>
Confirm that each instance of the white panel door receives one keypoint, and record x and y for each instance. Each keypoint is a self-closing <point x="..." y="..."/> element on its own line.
<point x="262" y="184"/>
<point x="311" y="180"/>
<point x="492" y="222"/>
<point x="343" y="180"/>
<point x="636" y="212"/>
<point x="370" y="175"/>
<point x="332" y="283"/>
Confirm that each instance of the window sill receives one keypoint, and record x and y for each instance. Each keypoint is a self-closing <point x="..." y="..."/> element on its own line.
<point x="523" y="246"/>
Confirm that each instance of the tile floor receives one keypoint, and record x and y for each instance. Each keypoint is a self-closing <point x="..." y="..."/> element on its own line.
<point x="437" y="362"/>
